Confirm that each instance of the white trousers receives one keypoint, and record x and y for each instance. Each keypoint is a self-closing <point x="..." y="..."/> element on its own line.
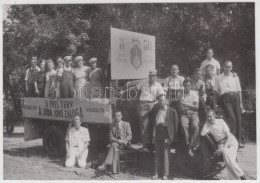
<point x="72" y="160"/>
<point x="229" y="154"/>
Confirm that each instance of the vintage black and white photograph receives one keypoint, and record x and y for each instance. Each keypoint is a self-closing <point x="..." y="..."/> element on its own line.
<point x="129" y="91"/>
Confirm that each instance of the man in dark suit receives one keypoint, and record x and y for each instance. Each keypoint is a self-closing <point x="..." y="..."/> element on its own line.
<point x="163" y="130"/>
<point x="120" y="136"/>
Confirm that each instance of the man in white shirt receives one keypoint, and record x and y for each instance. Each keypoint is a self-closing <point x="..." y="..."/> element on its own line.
<point x="229" y="90"/>
<point x="77" y="141"/>
<point x="212" y="61"/>
<point x="227" y="144"/>
<point x="150" y="90"/>
<point x="189" y="104"/>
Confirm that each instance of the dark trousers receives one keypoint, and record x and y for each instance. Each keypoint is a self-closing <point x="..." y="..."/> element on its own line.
<point x="162" y="151"/>
<point x="232" y="113"/>
<point x="202" y="110"/>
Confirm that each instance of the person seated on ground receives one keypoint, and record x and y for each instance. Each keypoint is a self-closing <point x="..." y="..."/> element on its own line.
<point x="227" y="144"/>
<point x="188" y="101"/>
<point x="120" y="135"/>
<point x="172" y="84"/>
<point x="29" y="82"/>
<point x="209" y="80"/>
<point x="77" y="141"/>
<point x="164" y="130"/>
<point x="199" y="86"/>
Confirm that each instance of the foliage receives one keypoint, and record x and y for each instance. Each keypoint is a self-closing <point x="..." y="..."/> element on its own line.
<point x="183" y="32"/>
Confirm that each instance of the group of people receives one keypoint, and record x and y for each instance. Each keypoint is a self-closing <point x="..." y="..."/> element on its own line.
<point x="64" y="80"/>
<point x="190" y="103"/>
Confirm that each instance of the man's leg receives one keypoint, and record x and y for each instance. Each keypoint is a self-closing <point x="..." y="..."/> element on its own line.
<point x="70" y="162"/>
<point x="167" y="148"/>
<point x="194" y="132"/>
<point x="229" y="154"/>
<point x="229" y="113"/>
<point x="143" y="114"/>
<point x="158" y="151"/>
<point x="185" y="128"/>
<point x="237" y="111"/>
<point x="82" y="162"/>
<point x="202" y="110"/>
<point x="211" y="102"/>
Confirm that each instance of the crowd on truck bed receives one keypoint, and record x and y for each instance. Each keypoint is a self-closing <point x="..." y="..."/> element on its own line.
<point x="190" y="103"/>
<point x="63" y="81"/>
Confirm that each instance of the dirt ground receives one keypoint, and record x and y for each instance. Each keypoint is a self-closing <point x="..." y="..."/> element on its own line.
<point x="27" y="161"/>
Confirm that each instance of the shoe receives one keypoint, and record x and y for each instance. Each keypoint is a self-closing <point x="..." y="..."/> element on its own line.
<point x="165" y="177"/>
<point x="243" y="177"/>
<point x="102" y="167"/>
<point x="155" y="177"/>
<point x="191" y="153"/>
<point x="241" y="146"/>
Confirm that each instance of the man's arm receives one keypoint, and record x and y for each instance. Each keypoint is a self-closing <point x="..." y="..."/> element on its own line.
<point x="194" y="106"/>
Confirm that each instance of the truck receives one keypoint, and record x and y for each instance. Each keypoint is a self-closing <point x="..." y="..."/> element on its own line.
<point x="131" y="56"/>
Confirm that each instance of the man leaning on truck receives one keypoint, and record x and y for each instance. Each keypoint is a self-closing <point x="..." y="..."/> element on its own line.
<point x="77" y="141"/>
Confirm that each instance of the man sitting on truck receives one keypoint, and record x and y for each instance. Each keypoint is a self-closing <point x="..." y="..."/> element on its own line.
<point x="77" y="141"/>
<point x="120" y="135"/>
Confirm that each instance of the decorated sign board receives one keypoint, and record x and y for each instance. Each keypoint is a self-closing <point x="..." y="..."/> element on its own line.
<point x="132" y="54"/>
<point x="98" y="111"/>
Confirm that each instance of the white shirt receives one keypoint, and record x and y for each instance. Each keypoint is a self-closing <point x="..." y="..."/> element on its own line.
<point x="213" y="62"/>
<point x="77" y="138"/>
<point x="149" y="92"/>
<point x="192" y="97"/>
<point x="173" y="83"/>
<point x="225" y="84"/>
<point x="218" y="129"/>
<point x="161" y="114"/>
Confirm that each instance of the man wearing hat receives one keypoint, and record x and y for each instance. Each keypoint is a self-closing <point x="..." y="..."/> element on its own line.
<point x="96" y="80"/>
<point x="150" y="90"/>
<point x="29" y="82"/>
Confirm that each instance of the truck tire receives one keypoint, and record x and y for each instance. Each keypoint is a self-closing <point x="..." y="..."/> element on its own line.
<point x="196" y="166"/>
<point x="54" y="142"/>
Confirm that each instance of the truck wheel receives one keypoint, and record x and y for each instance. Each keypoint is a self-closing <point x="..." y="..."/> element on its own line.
<point x="54" y="141"/>
<point x="196" y="166"/>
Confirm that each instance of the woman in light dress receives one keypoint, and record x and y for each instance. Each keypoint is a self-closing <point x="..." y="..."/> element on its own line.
<point x="96" y="80"/>
<point x="80" y="78"/>
<point x="52" y="89"/>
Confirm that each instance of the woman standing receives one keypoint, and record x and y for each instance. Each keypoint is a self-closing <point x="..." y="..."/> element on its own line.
<point x="96" y="80"/>
<point x="80" y="77"/>
<point x="227" y="144"/>
<point x="39" y="80"/>
<point x="52" y="85"/>
<point x="66" y="84"/>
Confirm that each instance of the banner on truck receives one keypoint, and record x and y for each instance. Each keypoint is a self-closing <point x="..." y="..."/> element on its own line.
<point x="66" y="109"/>
<point x="132" y="54"/>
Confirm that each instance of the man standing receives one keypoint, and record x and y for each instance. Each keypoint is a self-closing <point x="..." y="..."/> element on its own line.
<point x="199" y="86"/>
<point x="120" y="136"/>
<point x="209" y="80"/>
<point x="150" y="90"/>
<point x="164" y="129"/>
<point x="172" y="85"/>
<point x="77" y="141"/>
<point x="229" y="90"/>
<point x="29" y="81"/>
<point x="188" y="101"/>
<point x="212" y="61"/>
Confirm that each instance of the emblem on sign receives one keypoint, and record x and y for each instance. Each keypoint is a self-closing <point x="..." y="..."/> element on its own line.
<point x="136" y="56"/>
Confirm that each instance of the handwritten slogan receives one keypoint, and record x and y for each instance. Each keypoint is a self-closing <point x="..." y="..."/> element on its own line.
<point x="66" y="109"/>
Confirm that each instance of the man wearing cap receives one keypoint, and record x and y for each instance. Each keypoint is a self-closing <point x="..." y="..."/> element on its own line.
<point x="29" y="81"/>
<point x="229" y="90"/>
<point x="150" y="90"/>
<point x="96" y="80"/>
<point x="77" y="141"/>
<point x="212" y="61"/>
<point x="163" y="129"/>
